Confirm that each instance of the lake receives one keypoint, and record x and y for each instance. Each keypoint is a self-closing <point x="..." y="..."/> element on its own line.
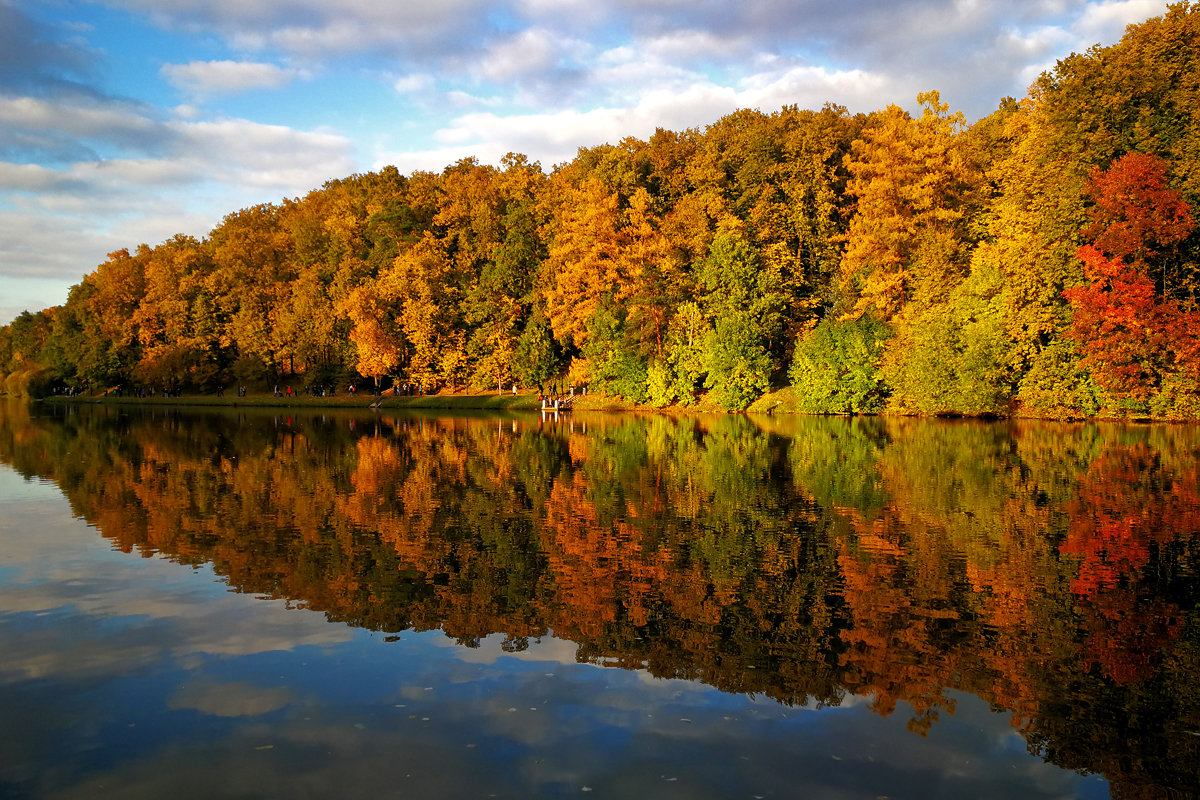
<point x="307" y="605"/>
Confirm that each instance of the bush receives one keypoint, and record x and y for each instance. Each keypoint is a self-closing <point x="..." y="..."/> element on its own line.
<point x="835" y="369"/>
<point x="1057" y="386"/>
<point x="35" y="382"/>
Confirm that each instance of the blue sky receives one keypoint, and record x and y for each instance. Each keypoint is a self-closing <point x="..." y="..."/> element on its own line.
<point x="128" y="121"/>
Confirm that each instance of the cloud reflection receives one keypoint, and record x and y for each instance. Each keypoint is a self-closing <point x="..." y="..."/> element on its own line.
<point x="238" y="699"/>
<point x="73" y="606"/>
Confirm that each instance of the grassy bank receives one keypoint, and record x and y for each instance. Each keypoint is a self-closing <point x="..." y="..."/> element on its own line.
<point x="364" y="401"/>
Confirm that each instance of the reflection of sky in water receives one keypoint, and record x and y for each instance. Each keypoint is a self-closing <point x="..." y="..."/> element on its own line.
<point x="125" y="676"/>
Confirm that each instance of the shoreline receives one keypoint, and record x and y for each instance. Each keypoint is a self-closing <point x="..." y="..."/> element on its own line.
<point x="779" y="402"/>
<point x="360" y="402"/>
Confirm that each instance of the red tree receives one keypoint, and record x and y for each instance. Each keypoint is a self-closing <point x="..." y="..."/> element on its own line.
<point x="1130" y="331"/>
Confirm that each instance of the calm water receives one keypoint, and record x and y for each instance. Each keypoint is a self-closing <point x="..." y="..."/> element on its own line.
<point x="198" y="605"/>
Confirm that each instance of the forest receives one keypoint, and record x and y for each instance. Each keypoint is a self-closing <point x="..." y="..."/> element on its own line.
<point x="1043" y="261"/>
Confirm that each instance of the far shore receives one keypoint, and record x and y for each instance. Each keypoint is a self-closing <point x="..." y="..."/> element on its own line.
<point x="781" y="401"/>
<point x="446" y="401"/>
<point x="362" y="401"/>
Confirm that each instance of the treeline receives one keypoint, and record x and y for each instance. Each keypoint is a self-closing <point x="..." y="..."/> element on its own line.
<point x="1041" y="261"/>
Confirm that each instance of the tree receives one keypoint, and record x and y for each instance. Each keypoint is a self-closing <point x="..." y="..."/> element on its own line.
<point x="744" y="300"/>
<point x="584" y="265"/>
<point x="1139" y="95"/>
<point x="836" y="368"/>
<point x="953" y="356"/>
<point x="423" y="290"/>
<point x="614" y="365"/>
<point x="1133" y="336"/>
<point x="536" y="359"/>
<point x="179" y="332"/>
<point x="120" y="288"/>
<point x="253" y="267"/>
<point x="80" y="352"/>
<point x="497" y="306"/>
<point x="1035" y="223"/>
<point x="375" y="332"/>
<point x="656" y="280"/>
<point x="1138" y="218"/>
<point x="912" y="180"/>
<point x="678" y="377"/>
<point x="738" y="365"/>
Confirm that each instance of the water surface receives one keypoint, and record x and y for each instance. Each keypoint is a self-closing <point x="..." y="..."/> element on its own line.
<point x="259" y="604"/>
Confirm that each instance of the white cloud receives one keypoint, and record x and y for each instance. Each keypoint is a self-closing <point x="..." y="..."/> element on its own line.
<point x="555" y="136"/>
<point x="334" y="36"/>
<point x="459" y="99"/>
<point x="34" y="246"/>
<point x="201" y="78"/>
<point x="186" y="175"/>
<point x="810" y="87"/>
<point x="316" y="29"/>
<point x="238" y="153"/>
<point x="528" y="52"/>
<point x="574" y="8"/>
<point x="267" y="157"/>
<point x="186" y="111"/>
<point x="30" y="178"/>
<point x="115" y="124"/>
<point x="694" y="45"/>
<point x="623" y="72"/>
<point x="413" y="83"/>
<point x="1035" y="44"/>
<point x="1106" y="21"/>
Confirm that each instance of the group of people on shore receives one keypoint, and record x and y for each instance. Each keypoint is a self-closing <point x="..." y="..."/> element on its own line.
<point x="327" y="390"/>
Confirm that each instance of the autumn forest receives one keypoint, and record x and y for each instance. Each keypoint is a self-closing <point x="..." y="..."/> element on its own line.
<point x="1041" y="261"/>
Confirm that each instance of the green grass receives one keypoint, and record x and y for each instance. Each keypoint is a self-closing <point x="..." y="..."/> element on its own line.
<point x="781" y="401"/>
<point x="363" y="400"/>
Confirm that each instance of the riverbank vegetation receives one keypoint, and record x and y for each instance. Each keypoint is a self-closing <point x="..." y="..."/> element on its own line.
<point x="386" y="401"/>
<point x="1042" y="261"/>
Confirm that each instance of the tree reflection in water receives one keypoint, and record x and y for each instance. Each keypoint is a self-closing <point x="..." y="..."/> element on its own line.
<point x="1048" y="569"/>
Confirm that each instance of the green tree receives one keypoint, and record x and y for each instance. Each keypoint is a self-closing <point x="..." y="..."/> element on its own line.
<point x="739" y="366"/>
<point x="745" y="301"/>
<point x="497" y="306"/>
<point x="615" y="365"/>
<point x="953" y="356"/>
<point x="536" y="359"/>
<point x="836" y="369"/>
<point x="80" y="352"/>
<point x="679" y="376"/>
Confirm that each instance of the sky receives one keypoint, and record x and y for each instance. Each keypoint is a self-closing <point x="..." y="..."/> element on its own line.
<point x="130" y="121"/>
